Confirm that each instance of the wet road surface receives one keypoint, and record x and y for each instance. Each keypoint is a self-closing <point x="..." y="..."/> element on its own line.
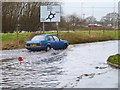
<point x="79" y="66"/>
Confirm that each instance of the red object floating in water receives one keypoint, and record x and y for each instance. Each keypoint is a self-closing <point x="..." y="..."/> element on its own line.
<point x="20" y="59"/>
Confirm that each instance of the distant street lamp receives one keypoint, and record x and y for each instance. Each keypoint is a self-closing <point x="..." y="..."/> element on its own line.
<point x="81" y="9"/>
<point x="83" y="16"/>
<point x="93" y="13"/>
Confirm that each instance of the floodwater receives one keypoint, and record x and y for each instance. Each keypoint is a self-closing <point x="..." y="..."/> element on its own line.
<point x="79" y="66"/>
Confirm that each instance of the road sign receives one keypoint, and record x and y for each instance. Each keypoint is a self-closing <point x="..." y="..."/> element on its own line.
<point x="50" y="13"/>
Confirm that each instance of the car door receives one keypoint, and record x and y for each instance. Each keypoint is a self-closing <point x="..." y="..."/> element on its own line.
<point x="57" y="44"/>
<point x="50" y="41"/>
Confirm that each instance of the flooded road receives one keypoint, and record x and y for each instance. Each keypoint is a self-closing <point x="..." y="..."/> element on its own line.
<point x="79" y="66"/>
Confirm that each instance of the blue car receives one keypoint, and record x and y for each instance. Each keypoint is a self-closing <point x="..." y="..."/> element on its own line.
<point x="46" y="42"/>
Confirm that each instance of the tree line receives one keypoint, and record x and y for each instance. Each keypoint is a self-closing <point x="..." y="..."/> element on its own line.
<point x="25" y="16"/>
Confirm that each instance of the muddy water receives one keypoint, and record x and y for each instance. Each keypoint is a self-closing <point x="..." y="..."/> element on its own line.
<point x="80" y="66"/>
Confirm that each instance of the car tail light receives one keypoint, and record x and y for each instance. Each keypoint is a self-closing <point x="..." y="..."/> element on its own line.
<point x="28" y="44"/>
<point x="40" y="43"/>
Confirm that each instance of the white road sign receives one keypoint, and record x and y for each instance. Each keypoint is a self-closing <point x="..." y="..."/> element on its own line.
<point x="50" y="13"/>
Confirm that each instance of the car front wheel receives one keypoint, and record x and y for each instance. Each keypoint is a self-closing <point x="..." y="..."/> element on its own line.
<point x="65" y="46"/>
<point x="47" y="48"/>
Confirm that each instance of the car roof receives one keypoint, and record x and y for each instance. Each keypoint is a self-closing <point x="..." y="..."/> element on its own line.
<point x="46" y="35"/>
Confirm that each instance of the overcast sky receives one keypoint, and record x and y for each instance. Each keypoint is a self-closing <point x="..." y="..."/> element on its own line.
<point x="85" y="8"/>
<point x="97" y="8"/>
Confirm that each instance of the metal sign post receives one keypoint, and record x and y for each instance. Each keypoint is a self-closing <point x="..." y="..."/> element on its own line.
<point x="43" y="27"/>
<point x="57" y="28"/>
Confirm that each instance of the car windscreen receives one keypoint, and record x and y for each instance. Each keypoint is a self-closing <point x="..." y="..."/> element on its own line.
<point x="36" y="38"/>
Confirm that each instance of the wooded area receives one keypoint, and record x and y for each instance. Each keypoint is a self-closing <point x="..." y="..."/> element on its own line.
<point x="25" y="16"/>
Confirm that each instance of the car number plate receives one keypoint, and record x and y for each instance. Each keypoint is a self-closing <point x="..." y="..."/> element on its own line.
<point x="33" y="45"/>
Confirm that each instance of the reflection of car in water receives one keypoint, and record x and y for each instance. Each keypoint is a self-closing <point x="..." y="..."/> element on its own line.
<point x="46" y="42"/>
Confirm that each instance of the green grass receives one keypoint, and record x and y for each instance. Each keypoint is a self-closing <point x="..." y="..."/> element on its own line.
<point x="13" y="36"/>
<point x="92" y="36"/>
<point x="114" y="59"/>
<point x="9" y="40"/>
<point x="113" y="34"/>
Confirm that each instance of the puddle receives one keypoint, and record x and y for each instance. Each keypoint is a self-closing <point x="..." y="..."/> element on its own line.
<point x="80" y="66"/>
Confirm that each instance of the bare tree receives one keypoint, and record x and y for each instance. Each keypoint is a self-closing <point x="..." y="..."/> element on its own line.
<point x="73" y="21"/>
<point x="11" y="12"/>
<point x="29" y="21"/>
<point x="91" y="20"/>
<point x="111" y="19"/>
<point x="22" y="14"/>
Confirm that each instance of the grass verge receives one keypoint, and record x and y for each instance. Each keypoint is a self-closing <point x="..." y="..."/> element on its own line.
<point x="10" y="40"/>
<point x="114" y="60"/>
<point x="75" y="38"/>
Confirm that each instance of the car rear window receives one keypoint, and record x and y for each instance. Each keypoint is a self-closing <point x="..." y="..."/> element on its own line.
<point x="38" y="38"/>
